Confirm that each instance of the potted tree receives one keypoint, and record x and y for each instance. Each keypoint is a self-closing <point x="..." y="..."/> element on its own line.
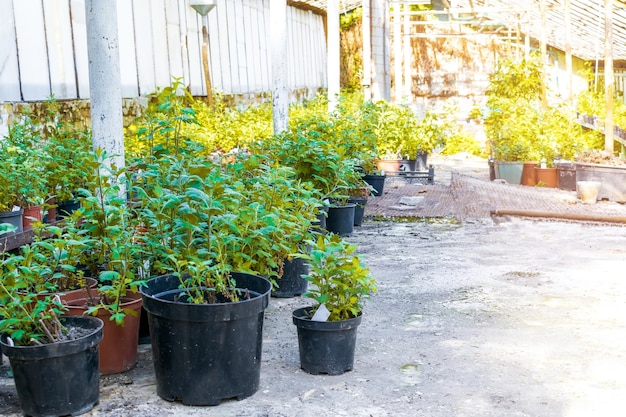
<point x="44" y="348"/>
<point x="340" y="284"/>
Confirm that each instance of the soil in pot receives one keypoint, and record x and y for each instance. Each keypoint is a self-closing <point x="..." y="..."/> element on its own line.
<point x="206" y="353"/>
<point x="326" y="347"/>
<point x="118" y="349"/>
<point x="62" y="378"/>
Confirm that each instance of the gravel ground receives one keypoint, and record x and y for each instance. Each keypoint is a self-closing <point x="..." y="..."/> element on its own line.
<point x="510" y="318"/>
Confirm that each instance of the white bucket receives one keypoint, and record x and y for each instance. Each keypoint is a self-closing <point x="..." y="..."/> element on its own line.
<point x="588" y="191"/>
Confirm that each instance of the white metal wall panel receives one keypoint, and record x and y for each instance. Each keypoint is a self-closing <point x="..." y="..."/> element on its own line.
<point x="262" y="29"/>
<point x="79" y="29"/>
<point x="175" y="41"/>
<point x="31" y="49"/>
<point x="224" y="51"/>
<point x="144" y="46"/>
<point x="251" y="46"/>
<point x="127" y="47"/>
<point x="9" y="71"/>
<point x="193" y="30"/>
<point x="60" y="51"/>
<point x="158" y="40"/>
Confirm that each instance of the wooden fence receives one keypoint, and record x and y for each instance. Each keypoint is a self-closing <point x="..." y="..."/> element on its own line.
<point x="44" y="48"/>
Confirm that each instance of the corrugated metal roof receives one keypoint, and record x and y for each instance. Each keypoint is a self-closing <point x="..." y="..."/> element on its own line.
<point x="587" y="20"/>
<point x="587" y="23"/>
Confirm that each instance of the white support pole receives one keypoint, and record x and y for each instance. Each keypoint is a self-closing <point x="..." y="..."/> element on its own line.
<point x="105" y="85"/>
<point x="381" y="67"/>
<point x="278" y="33"/>
<point x="334" y="54"/>
<point x="568" y="53"/>
<point x="366" y="82"/>
<point x="609" y="79"/>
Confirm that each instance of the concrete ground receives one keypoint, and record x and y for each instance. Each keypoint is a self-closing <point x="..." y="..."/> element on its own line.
<point x="474" y="316"/>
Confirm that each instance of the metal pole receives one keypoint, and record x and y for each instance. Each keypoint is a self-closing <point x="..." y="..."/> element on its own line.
<point x="205" y="59"/>
<point x="105" y="85"/>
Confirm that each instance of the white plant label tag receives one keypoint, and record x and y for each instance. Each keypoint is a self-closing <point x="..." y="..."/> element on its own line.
<point x="321" y="314"/>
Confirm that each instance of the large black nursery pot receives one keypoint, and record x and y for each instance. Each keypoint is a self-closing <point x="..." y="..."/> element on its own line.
<point x="291" y="284"/>
<point x="377" y="182"/>
<point x="341" y="219"/>
<point x="359" y="209"/>
<point x="326" y="347"/>
<point x="58" y="379"/>
<point x="206" y="353"/>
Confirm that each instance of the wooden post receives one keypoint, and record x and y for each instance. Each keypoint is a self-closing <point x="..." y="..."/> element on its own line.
<point x="278" y="33"/>
<point x="609" y="81"/>
<point x="105" y="85"/>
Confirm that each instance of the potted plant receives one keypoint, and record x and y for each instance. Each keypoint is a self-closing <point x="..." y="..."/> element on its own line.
<point x="68" y="153"/>
<point x="44" y="348"/>
<point x="10" y="178"/>
<point x="205" y="311"/>
<point x="340" y="285"/>
<point x="113" y="256"/>
<point x="403" y="139"/>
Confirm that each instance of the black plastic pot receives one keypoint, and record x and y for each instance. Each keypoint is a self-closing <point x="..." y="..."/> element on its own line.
<point x="326" y="347"/>
<point x="322" y="216"/>
<point x="291" y="284"/>
<point x="58" y="379"/>
<point x="377" y="182"/>
<point x="65" y="208"/>
<point x="206" y="353"/>
<point x="341" y="219"/>
<point x="359" y="209"/>
<point x="421" y="162"/>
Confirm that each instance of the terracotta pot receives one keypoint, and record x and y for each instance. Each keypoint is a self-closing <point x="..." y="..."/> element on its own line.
<point x="528" y="174"/>
<point x="395" y="165"/>
<point x="31" y="215"/>
<point x="547" y="177"/>
<point x="118" y="349"/>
